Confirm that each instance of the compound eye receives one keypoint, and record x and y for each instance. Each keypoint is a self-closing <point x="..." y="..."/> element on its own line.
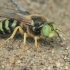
<point x="45" y="27"/>
<point x="45" y="30"/>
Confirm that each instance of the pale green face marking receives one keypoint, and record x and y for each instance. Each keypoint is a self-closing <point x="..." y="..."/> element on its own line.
<point x="46" y="30"/>
<point x="54" y="25"/>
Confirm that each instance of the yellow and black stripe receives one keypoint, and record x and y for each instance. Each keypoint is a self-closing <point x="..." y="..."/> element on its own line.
<point x="8" y="25"/>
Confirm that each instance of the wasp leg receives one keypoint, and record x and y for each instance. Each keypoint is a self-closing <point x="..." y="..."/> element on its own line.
<point x="25" y="35"/>
<point x="13" y="34"/>
<point x="36" y="44"/>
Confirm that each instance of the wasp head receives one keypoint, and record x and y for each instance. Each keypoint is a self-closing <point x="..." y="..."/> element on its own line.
<point x="49" y="30"/>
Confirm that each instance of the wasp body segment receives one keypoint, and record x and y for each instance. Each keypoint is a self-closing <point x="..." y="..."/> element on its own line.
<point x="8" y="25"/>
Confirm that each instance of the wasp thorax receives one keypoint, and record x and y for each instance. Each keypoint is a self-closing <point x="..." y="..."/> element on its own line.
<point x="38" y="21"/>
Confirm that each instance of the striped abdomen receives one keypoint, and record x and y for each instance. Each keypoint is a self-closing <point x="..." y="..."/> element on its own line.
<point x="8" y="25"/>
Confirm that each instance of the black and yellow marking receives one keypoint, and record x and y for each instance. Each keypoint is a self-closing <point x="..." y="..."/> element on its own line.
<point x="8" y="25"/>
<point x="1" y="28"/>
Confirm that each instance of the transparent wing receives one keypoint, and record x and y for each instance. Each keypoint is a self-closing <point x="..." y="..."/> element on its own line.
<point x="12" y="13"/>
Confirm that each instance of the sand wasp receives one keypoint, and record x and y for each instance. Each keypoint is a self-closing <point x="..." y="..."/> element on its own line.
<point x="36" y="26"/>
<point x="32" y="25"/>
<point x="32" y="28"/>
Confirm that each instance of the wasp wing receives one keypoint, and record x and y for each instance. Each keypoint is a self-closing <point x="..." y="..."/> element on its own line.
<point x="12" y="13"/>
